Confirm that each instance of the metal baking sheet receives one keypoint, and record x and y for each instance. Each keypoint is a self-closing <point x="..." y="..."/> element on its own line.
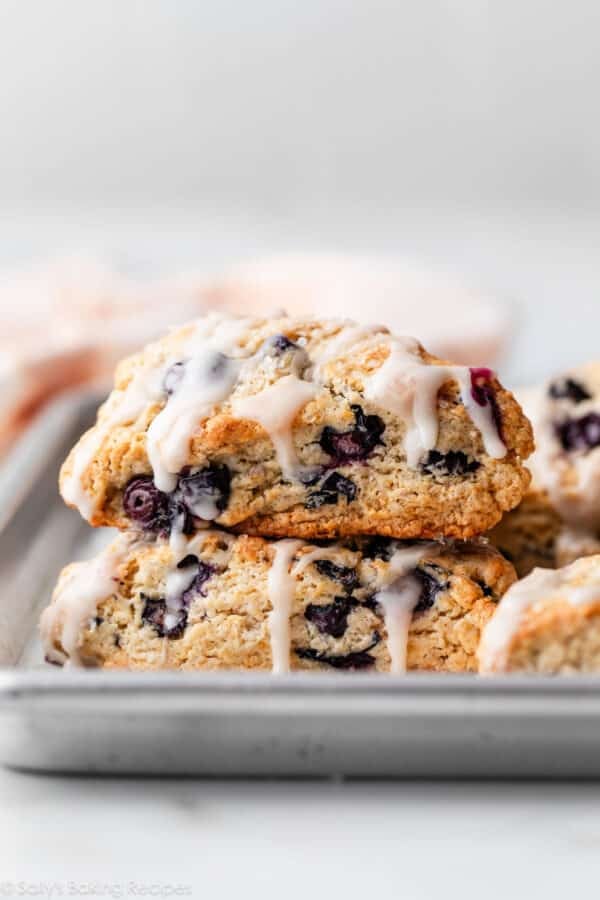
<point x="244" y="723"/>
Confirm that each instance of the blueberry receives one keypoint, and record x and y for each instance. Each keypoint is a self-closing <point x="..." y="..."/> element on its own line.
<point x="205" y="571"/>
<point x="154" y="613"/>
<point x="188" y="561"/>
<point x="483" y="394"/>
<point x="145" y="504"/>
<point x="355" y="445"/>
<point x="361" y="659"/>
<point x="331" y="618"/>
<point x="280" y="343"/>
<point x="379" y="548"/>
<point x="180" y="519"/>
<point x="334" y="485"/>
<point x="212" y="484"/>
<point x="173" y="377"/>
<point x="569" y="389"/>
<point x="454" y="462"/>
<point x="430" y="587"/>
<point x="579" y="434"/>
<point x="344" y="575"/>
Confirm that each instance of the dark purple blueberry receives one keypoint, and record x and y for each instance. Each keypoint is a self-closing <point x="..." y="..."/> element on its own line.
<point x="379" y="548"/>
<point x="145" y="504"/>
<point x="344" y="575"/>
<point x="334" y="485"/>
<point x="180" y="519"/>
<point x="569" y="389"/>
<point x="205" y="571"/>
<point x="371" y="603"/>
<point x="154" y="613"/>
<point x="211" y="484"/>
<point x="117" y="640"/>
<point x="431" y="585"/>
<point x="173" y="377"/>
<point x="579" y="434"/>
<point x="484" y="394"/>
<point x="485" y="588"/>
<point x="98" y="620"/>
<point x="454" y="462"/>
<point x="332" y="618"/>
<point x="356" y="444"/>
<point x="188" y="561"/>
<point x="361" y="659"/>
<point x="280" y="343"/>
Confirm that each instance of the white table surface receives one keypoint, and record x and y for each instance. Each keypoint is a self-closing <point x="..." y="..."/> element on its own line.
<point x="306" y="839"/>
<point x="299" y="839"/>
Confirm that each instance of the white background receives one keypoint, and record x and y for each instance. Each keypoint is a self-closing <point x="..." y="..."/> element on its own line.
<point x="165" y="133"/>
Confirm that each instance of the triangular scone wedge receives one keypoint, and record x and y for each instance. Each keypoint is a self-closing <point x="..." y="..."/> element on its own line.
<point x="305" y="428"/>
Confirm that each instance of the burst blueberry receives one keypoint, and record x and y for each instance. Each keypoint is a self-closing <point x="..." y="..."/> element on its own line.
<point x="454" y="462"/>
<point x="360" y="659"/>
<point x="356" y="444"/>
<point x="211" y="485"/>
<point x="154" y="614"/>
<point x="484" y="394"/>
<point x="145" y="504"/>
<point x="344" y="575"/>
<point x="331" y="618"/>
<point x="330" y="489"/>
<point x="431" y="585"/>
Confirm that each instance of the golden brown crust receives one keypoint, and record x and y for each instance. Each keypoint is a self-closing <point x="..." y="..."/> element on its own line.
<point x="392" y="498"/>
<point x="227" y="624"/>
<point x="557" y="637"/>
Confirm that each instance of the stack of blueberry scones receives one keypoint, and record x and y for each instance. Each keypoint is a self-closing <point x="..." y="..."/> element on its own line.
<point x="291" y="494"/>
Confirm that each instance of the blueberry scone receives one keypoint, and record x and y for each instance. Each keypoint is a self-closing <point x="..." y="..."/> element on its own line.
<point x="558" y="519"/>
<point x="220" y="601"/>
<point x="566" y="465"/>
<point x="548" y="622"/>
<point x="308" y="428"/>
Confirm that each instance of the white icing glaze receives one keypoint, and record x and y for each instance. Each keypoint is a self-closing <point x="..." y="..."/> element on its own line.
<point x="275" y="409"/>
<point x="208" y="379"/>
<point x="331" y="553"/>
<point x="578" y="583"/>
<point x="348" y="337"/>
<point x="408" y="388"/>
<point x="281" y="585"/>
<point x="76" y="599"/>
<point x="125" y="407"/>
<point x="398" y="599"/>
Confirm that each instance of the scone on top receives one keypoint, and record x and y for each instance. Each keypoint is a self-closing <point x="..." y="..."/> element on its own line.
<point x="547" y="623"/>
<point x="558" y="520"/>
<point x="300" y="427"/>
<point x="220" y="601"/>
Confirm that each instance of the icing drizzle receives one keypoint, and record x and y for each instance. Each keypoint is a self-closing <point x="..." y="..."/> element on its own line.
<point x="398" y="599"/>
<point x="75" y="600"/>
<point x="212" y="363"/>
<point x="577" y="584"/>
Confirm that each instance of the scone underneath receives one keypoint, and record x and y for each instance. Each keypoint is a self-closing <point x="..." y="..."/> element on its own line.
<point x="217" y="601"/>
<point x="547" y="623"/>
<point x="534" y="536"/>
